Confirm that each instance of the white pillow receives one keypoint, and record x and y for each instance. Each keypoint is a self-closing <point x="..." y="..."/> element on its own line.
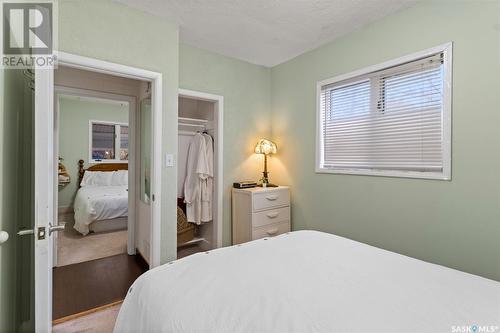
<point x="119" y="178"/>
<point x="96" y="178"/>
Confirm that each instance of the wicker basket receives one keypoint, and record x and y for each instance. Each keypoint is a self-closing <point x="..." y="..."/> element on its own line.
<point x="185" y="230"/>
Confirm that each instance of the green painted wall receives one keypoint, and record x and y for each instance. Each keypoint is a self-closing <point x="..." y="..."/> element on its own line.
<point x="113" y="32"/>
<point x="455" y="223"/>
<point x="246" y="91"/>
<point x="74" y="118"/>
<point x="11" y="87"/>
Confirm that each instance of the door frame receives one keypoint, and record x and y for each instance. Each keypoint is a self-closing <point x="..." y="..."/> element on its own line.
<point x="44" y="171"/>
<point x="219" y="149"/>
<point x="59" y="91"/>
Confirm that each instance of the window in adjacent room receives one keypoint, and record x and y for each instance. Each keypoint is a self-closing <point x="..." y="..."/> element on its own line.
<point x="108" y="142"/>
<point x="393" y="119"/>
<point x="124" y="143"/>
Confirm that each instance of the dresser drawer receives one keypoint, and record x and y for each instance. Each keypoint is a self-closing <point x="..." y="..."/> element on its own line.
<point x="259" y="212"/>
<point x="271" y="199"/>
<point x="271" y="230"/>
<point x="270" y="216"/>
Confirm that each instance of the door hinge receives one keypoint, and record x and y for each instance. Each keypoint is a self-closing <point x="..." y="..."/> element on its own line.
<point x="153" y="197"/>
<point x="41" y="233"/>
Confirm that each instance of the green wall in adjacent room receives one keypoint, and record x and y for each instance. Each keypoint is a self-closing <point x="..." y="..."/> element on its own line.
<point x="453" y="223"/>
<point x="246" y="91"/>
<point x="113" y="32"/>
<point x="74" y="118"/>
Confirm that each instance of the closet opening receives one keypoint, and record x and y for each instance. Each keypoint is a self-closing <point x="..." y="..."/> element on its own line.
<point x="199" y="184"/>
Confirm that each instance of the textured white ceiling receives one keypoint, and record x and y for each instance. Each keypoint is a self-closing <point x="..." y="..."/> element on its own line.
<point x="266" y="32"/>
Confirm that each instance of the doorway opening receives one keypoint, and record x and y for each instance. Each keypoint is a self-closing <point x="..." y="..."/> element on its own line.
<point x="104" y="149"/>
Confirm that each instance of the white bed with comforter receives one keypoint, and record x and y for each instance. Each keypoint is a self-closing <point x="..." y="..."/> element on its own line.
<point x="98" y="203"/>
<point x="101" y="202"/>
<point x="307" y="281"/>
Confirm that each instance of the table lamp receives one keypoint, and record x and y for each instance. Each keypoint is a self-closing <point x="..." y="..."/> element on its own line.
<point x="266" y="147"/>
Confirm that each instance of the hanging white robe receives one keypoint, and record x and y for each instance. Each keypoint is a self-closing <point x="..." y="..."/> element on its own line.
<point x="197" y="170"/>
<point x="207" y="186"/>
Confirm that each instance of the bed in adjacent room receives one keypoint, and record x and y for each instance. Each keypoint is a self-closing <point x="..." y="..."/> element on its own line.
<point x="101" y="203"/>
<point x="307" y="281"/>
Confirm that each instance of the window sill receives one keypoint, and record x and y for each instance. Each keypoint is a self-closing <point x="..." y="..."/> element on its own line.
<point x="107" y="161"/>
<point x="388" y="173"/>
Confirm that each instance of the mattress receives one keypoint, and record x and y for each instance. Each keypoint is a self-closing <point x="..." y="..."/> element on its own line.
<point x="97" y="203"/>
<point x="307" y="281"/>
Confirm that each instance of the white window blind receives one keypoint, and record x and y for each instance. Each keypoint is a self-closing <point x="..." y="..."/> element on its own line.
<point x="387" y="120"/>
<point x="108" y="142"/>
<point x="103" y="141"/>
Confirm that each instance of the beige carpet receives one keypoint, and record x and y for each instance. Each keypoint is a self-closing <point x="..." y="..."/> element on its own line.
<point x="73" y="248"/>
<point x="102" y="321"/>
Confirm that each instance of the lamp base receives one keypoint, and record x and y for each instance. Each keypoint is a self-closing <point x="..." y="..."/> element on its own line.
<point x="268" y="185"/>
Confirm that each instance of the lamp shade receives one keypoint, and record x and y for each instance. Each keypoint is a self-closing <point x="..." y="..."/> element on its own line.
<point x="265" y="147"/>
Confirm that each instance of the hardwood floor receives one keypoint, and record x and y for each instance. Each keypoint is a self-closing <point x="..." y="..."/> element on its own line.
<point x="188" y="250"/>
<point x="87" y="285"/>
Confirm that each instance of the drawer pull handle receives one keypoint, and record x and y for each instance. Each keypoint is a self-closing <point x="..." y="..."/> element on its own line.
<point x="273" y="231"/>
<point x="273" y="215"/>
<point x="272" y="197"/>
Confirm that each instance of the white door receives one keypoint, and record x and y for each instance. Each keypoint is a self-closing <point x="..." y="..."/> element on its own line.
<point x="36" y="216"/>
<point x="43" y="197"/>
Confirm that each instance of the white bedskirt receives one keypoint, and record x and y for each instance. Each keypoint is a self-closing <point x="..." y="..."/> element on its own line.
<point x="307" y="281"/>
<point x="97" y="203"/>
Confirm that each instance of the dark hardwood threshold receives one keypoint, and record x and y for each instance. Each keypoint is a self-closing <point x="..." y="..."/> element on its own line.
<point x="84" y="286"/>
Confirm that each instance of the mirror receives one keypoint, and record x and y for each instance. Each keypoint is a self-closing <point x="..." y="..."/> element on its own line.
<point x="145" y="150"/>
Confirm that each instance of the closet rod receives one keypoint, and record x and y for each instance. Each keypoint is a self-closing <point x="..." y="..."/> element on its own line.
<point x="192" y="120"/>
<point x="190" y="133"/>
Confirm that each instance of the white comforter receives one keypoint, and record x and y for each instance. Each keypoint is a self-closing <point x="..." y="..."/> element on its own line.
<point x="95" y="203"/>
<point x="308" y="281"/>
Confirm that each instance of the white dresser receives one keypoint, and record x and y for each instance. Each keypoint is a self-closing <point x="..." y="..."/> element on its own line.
<point x="260" y="212"/>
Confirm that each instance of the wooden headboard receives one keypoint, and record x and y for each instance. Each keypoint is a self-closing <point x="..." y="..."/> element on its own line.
<point x="99" y="167"/>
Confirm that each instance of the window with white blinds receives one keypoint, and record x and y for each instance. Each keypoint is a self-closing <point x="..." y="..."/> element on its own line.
<point x="108" y="142"/>
<point x="392" y="120"/>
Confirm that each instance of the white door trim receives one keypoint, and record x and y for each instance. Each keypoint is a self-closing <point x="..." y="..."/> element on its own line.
<point x="65" y="91"/>
<point x="219" y="110"/>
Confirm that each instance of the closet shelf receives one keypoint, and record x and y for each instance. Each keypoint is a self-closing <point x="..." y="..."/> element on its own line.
<point x="192" y="125"/>
<point x="192" y="121"/>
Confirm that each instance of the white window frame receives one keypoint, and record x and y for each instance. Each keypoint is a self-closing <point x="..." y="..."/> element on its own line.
<point x="445" y="174"/>
<point x="117" y="141"/>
